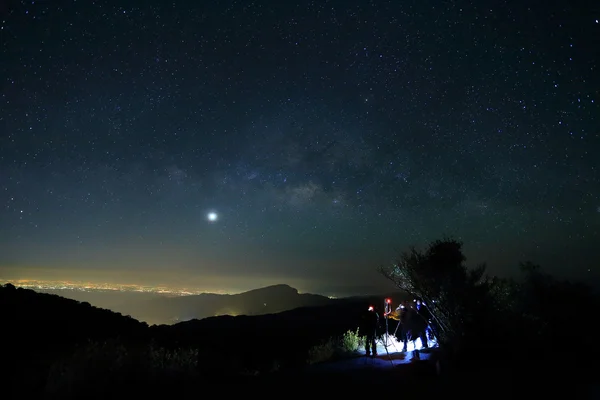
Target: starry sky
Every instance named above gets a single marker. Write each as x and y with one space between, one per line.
323 135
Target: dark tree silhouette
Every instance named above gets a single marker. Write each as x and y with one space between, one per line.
475 315
457 297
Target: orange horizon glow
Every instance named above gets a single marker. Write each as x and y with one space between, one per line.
105 280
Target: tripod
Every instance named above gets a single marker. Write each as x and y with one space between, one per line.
375 339
385 346
387 309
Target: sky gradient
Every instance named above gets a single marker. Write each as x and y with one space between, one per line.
324 135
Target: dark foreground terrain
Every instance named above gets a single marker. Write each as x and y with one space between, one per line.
58 348
417 379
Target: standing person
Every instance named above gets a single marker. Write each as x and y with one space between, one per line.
425 315
370 322
405 324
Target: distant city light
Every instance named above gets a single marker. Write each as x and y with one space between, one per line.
42 286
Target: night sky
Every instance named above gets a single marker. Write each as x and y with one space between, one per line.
324 135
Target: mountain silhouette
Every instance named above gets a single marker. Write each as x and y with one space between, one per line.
55 320
266 300
38 328
52 344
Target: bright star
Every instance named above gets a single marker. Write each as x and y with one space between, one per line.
212 216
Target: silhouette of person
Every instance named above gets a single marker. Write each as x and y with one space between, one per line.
370 322
400 316
405 324
425 315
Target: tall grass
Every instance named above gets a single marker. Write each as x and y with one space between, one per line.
97 366
335 346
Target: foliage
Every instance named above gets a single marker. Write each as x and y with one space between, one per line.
97 365
553 309
455 295
472 311
351 341
322 352
335 346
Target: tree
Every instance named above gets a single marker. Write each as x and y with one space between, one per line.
456 296
554 308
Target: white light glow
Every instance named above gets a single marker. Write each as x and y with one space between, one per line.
212 216
394 346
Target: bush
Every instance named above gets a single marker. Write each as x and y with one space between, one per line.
97 366
458 298
351 341
333 347
172 361
322 352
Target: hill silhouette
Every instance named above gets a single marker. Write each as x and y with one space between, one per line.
283 338
61 320
55 344
267 300
170 309
39 327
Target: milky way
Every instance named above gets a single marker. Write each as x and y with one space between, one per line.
327 135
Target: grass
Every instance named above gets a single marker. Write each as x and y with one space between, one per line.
335 347
100 365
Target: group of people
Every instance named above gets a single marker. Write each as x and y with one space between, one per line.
412 321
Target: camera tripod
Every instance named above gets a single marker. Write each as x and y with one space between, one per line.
386 345
378 340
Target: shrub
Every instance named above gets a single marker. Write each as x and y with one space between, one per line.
172 361
335 346
97 366
322 352
351 341
457 297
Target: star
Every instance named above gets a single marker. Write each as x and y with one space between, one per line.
212 216
387 143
